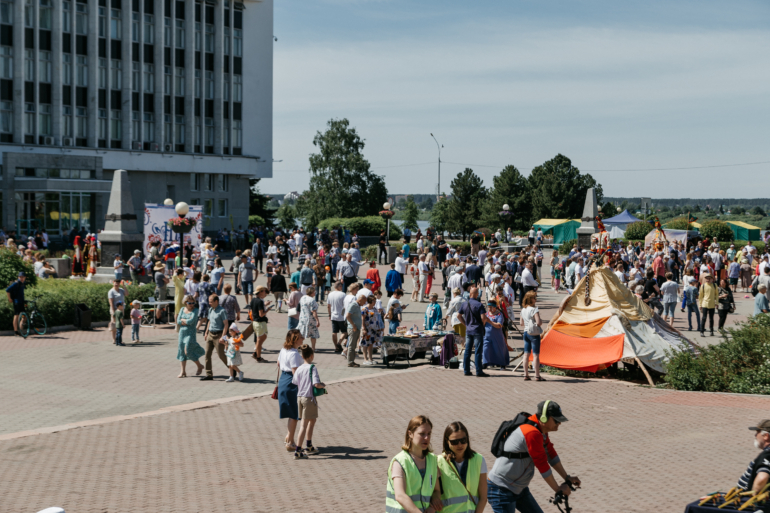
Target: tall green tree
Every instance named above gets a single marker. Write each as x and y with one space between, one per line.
468 195
558 189
427 203
341 182
411 214
509 187
287 216
439 215
258 203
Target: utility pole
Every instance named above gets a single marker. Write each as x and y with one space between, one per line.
438 192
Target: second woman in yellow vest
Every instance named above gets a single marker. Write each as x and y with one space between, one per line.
463 473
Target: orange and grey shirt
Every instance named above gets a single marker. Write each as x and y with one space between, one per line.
515 474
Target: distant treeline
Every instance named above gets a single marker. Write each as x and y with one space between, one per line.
714 203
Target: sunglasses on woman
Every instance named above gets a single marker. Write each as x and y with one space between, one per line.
190 302
463 441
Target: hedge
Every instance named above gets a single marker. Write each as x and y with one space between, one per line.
370 252
11 265
719 229
638 230
366 226
58 298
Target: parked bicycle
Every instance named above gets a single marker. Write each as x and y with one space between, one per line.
34 320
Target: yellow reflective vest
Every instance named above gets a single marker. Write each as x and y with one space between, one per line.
418 489
455 496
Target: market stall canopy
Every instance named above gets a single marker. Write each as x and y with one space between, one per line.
622 220
616 232
561 229
673 236
744 231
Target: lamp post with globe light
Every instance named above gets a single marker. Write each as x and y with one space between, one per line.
506 215
386 214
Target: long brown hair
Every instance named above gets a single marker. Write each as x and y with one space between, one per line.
455 427
291 338
415 423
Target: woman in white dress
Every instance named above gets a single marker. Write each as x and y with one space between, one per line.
308 316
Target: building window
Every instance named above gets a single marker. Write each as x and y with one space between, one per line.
169 128
45 66
135 22
136 77
67 120
81 19
179 82
195 181
102 124
45 120
66 20
6 117
208 182
102 73
209 38
222 208
29 118
116 125
209 85
238 43
208 205
237 88
102 22
82 123
197 83
6 62
116 31
226 90
149 29
117 75
44 14
227 41
166 79
209 132
167 31
29 16
179 120
197 37
222 183
29 65
149 78
82 64
136 126
237 134
198 130
149 127
66 69
226 134
179 34
6 12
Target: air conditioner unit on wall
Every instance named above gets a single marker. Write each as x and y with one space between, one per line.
168 147
136 145
68 141
48 141
155 147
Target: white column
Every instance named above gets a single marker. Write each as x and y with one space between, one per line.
189 77
93 72
219 29
158 67
127 68
18 73
56 63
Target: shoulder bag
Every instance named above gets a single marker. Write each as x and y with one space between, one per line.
275 390
533 329
316 391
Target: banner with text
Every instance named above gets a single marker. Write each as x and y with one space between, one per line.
156 228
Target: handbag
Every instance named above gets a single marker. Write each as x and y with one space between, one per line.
316 391
275 390
292 312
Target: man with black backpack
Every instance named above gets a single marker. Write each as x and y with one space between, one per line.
521 445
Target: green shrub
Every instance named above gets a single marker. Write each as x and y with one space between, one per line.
11 265
567 245
638 230
370 252
58 298
716 228
370 225
256 220
738 364
679 223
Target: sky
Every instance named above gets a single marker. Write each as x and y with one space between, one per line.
619 87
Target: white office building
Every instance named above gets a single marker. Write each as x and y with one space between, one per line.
178 93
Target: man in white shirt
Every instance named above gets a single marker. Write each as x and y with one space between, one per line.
482 256
420 244
299 238
366 291
527 281
335 305
292 248
401 265
458 279
579 270
424 269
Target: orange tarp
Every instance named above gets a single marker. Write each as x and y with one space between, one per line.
576 353
584 329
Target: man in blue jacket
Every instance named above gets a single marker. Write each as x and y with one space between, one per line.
392 280
16 297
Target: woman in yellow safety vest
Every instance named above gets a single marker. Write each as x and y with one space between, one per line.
463 473
413 473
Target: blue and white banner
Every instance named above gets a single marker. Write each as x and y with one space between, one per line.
156 218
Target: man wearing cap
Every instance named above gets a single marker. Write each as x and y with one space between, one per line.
15 293
115 296
527 448
374 276
758 473
366 290
135 265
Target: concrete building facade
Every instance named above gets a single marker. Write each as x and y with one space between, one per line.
178 93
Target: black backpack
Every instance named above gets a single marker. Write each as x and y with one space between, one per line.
755 287
504 431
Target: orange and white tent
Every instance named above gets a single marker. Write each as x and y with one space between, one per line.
614 325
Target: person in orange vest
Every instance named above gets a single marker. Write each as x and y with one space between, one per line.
374 275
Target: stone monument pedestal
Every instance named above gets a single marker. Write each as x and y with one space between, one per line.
588 222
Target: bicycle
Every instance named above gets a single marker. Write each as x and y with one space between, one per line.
34 320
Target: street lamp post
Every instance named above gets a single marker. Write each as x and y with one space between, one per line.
438 192
386 206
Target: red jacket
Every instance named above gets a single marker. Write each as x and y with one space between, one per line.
537 445
374 275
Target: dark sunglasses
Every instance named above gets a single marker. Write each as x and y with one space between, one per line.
463 440
190 302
